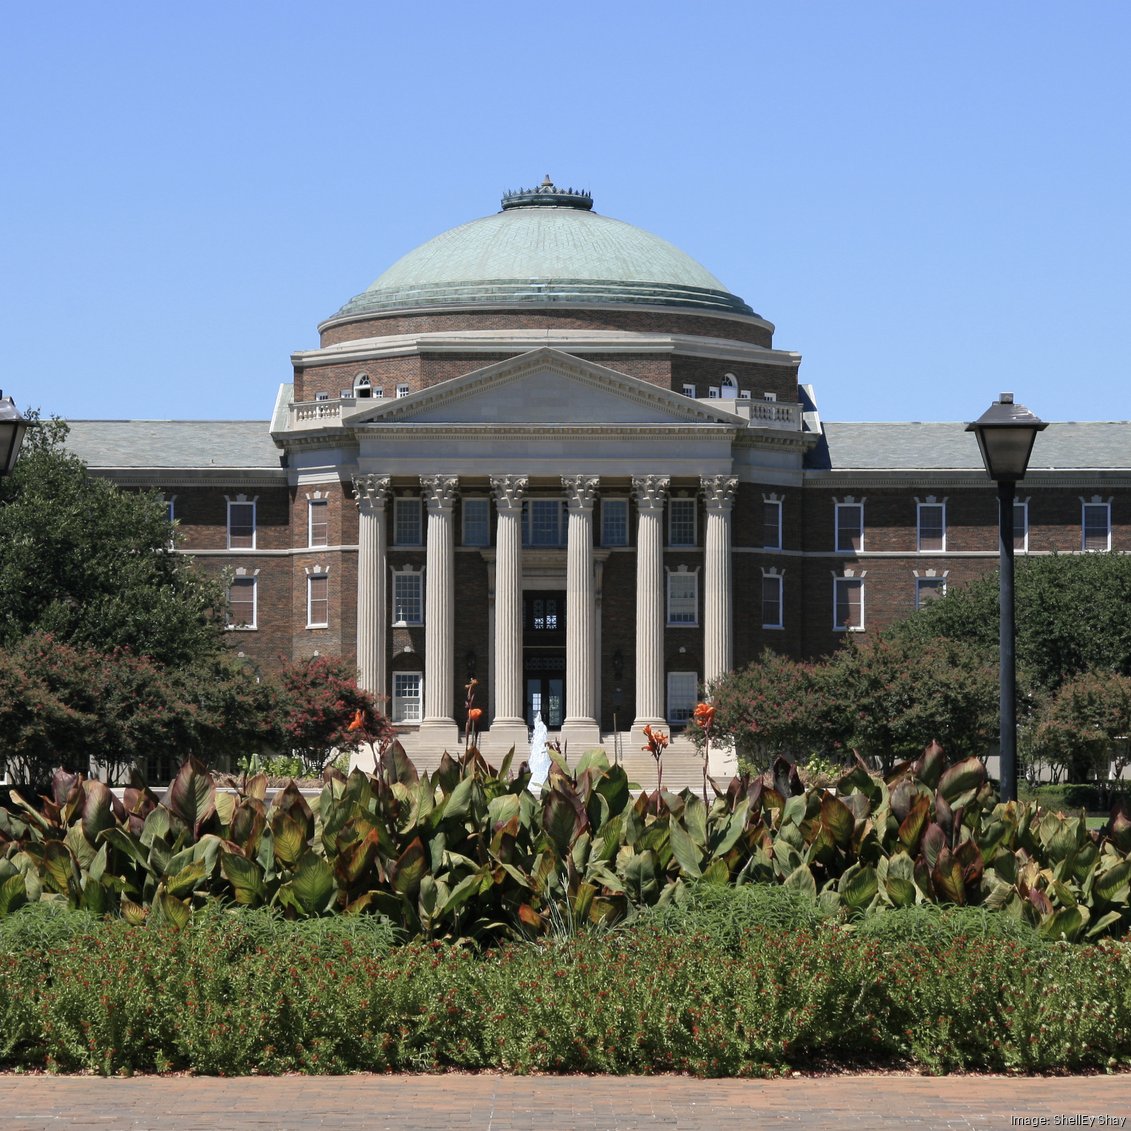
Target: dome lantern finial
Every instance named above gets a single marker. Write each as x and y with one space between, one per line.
548 195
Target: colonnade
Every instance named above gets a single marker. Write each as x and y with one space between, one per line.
580 492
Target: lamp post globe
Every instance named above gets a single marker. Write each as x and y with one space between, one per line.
1006 432
13 427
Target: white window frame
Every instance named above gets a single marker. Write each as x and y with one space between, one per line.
685 505
316 506
842 534
242 501
473 504
244 581
1096 504
682 695
683 618
408 697
406 505
541 506
1021 544
403 390
772 504
936 585
690 390
847 582
614 514
410 603
930 504
311 578
362 386
775 582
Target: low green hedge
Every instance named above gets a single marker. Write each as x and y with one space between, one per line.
710 990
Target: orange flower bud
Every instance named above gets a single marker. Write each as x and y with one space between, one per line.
358 720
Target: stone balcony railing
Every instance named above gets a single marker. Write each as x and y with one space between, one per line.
760 413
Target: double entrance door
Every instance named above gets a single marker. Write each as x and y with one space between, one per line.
543 656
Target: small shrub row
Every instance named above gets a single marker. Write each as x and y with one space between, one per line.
744 990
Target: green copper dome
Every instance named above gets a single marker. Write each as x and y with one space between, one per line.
546 246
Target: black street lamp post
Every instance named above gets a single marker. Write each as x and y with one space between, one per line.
12 429
1006 433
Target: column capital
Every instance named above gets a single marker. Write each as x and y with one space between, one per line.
440 491
580 491
650 491
508 491
371 491
718 492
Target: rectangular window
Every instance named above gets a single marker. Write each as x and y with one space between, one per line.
932 527
476 522
689 390
848 604
681 522
771 524
1097 526
849 527
407 525
402 390
683 598
614 522
544 522
379 392
1021 527
242 602
928 589
318 522
241 526
407 697
408 598
772 601
317 601
683 691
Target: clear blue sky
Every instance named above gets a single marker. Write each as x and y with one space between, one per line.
929 200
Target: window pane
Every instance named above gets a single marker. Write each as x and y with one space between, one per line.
928 589
932 526
1020 526
681 522
1096 526
683 593
683 690
407 697
318 600
849 603
545 521
407 598
771 602
319 522
406 523
241 526
614 522
849 527
476 522
771 525
241 603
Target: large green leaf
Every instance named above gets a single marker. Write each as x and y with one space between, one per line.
167 910
192 795
289 837
912 826
640 878
246 878
1113 885
950 887
313 883
837 818
684 848
411 867
858 886
13 894
187 880
60 873
97 811
960 783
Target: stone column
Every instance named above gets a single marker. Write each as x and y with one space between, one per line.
438 727
650 492
718 654
370 492
508 727
580 726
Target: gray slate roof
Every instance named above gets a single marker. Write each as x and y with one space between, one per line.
938 446
178 444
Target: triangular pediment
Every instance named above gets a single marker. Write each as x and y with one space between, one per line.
542 387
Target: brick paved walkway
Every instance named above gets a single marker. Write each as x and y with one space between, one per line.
508 1103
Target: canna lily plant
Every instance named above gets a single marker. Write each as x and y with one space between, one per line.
704 716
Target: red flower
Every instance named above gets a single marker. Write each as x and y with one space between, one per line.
704 715
474 714
358 720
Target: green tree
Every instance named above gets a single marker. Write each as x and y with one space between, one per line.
92 564
1073 615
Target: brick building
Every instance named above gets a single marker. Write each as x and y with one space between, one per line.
549 449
